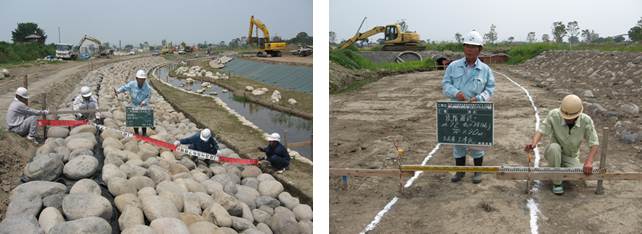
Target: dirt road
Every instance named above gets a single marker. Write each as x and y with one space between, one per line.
364 124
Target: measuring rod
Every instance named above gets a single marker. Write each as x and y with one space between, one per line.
496 169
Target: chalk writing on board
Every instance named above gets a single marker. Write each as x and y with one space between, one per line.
464 123
139 116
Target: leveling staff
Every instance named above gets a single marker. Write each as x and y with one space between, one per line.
567 126
140 93
469 79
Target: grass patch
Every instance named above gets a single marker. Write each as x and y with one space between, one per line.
10 52
298 123
241 98
3 130
351 60
355 85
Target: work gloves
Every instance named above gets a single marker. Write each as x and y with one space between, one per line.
218 153
260 149
46 112
177 143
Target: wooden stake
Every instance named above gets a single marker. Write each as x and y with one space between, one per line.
285 139
25 83
44 107
605 141
345 183
311 147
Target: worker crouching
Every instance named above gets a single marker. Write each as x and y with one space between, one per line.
85 101
203 142
276 153
21 119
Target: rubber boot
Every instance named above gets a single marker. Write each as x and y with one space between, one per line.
459 162
477 178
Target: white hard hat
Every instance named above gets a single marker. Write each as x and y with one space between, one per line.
22 92
141 74
571 107
274 137
85 91
473 38
206 134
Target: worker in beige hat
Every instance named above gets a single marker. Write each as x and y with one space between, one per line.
567 126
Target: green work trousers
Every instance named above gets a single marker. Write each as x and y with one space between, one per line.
555 158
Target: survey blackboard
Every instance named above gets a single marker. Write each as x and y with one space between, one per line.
465 123
139 116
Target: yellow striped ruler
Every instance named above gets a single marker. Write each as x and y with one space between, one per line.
496 169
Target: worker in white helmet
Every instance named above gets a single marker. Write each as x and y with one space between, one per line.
85 101
567 126
202 141
140 92
276 153
21 119
470 80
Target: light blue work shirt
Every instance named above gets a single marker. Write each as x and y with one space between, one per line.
479 84
138 95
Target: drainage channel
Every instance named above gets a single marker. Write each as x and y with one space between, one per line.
270 121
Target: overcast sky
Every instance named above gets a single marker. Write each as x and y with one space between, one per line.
136 21
440 20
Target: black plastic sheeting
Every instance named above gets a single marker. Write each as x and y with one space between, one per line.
289 77
97 177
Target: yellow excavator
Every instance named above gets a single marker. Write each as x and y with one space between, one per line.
395 39
103 51
167 48
264 44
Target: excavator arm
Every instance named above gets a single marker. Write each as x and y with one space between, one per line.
361 36
260 26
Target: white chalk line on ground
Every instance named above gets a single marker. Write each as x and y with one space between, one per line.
532 206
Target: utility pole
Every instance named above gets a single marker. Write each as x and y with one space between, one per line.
119 48
58 34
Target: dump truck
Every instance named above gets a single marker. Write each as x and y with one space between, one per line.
66 51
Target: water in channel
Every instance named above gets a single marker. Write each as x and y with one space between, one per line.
270 121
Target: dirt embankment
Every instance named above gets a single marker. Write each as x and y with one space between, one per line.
364 124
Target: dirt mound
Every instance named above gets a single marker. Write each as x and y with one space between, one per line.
15 153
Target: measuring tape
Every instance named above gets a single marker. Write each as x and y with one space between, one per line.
199 154
496 169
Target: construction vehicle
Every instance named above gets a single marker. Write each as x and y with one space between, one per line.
104 51
66 51
187 49
395 39
167 48
264 44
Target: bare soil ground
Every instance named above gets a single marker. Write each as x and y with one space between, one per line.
364 124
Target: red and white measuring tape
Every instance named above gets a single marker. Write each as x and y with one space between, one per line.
202 155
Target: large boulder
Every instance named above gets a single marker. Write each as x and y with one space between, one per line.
80 167
21 223
131 215
44 188
44 167
127 199
118 186
50 217
230 203
94 225
57 132
28 202
78 143
82 205
86 186
169 226
270 188
83 128
283 223
218 215
156 207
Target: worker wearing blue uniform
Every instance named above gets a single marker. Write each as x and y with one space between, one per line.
203 142
469 79
276 153
140 93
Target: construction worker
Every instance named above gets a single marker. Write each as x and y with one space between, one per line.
85 101
140 92
203 142
21 119
567 126
276 153
471 80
